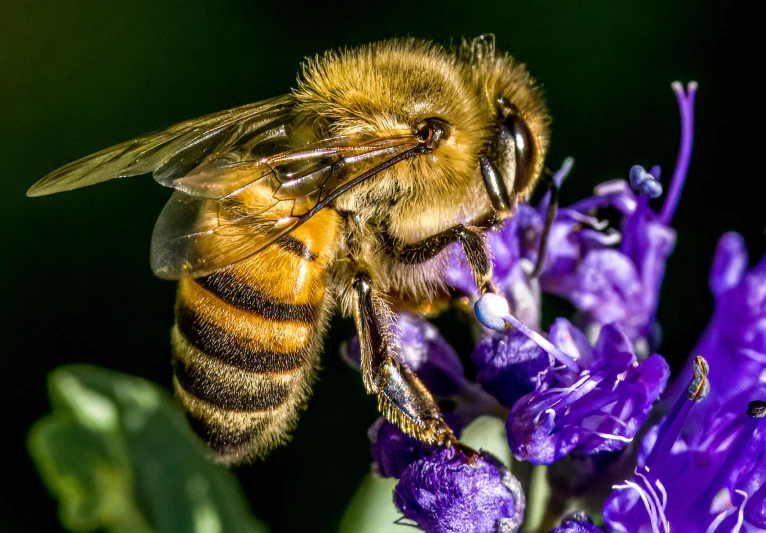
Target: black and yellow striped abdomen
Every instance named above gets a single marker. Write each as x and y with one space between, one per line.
247 339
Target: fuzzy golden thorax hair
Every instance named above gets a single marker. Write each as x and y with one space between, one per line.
388 87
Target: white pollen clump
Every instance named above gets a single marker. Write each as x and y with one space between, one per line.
491 310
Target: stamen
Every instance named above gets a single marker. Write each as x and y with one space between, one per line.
493 311
700 386
686 107
653 504
675 419
739 509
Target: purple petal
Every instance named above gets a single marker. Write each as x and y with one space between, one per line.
572 342
393 451
729 263
448 492
755 509
508 365
600 408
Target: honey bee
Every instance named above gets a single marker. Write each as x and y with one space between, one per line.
342 195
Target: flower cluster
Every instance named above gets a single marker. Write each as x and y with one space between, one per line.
585 389
610 275
704 468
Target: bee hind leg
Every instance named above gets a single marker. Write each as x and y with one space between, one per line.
402 397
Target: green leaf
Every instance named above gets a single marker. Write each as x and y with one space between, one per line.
372 509
118 455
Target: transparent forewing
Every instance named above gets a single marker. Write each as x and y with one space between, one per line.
189 240
222 214
176 151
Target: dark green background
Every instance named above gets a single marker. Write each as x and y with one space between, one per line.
77 76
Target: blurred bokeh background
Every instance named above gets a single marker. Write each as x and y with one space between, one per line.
80 75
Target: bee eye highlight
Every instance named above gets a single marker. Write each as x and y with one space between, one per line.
514 127
431 131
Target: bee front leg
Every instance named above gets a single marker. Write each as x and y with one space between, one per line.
402 397
473 246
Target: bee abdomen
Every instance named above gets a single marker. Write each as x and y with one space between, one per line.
234 291
246 346
239 413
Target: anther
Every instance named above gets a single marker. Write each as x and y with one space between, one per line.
699 386
644 182
756 409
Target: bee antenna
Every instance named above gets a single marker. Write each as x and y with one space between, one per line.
550 216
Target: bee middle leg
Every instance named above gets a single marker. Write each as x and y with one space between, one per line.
402 397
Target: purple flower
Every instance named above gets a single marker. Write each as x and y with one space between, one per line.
393 451
621 285
578 522
508 365
710 461
450 492
735 340
609 276
599 407
708 480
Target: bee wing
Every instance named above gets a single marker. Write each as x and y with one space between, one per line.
224 213
174 152
243 177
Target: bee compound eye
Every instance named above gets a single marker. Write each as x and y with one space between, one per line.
514 127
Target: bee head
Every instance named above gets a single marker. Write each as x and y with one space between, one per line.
473 111
403 87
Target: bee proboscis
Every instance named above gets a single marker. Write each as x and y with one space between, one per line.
342 194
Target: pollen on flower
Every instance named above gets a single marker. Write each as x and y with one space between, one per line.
644 182
491 310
